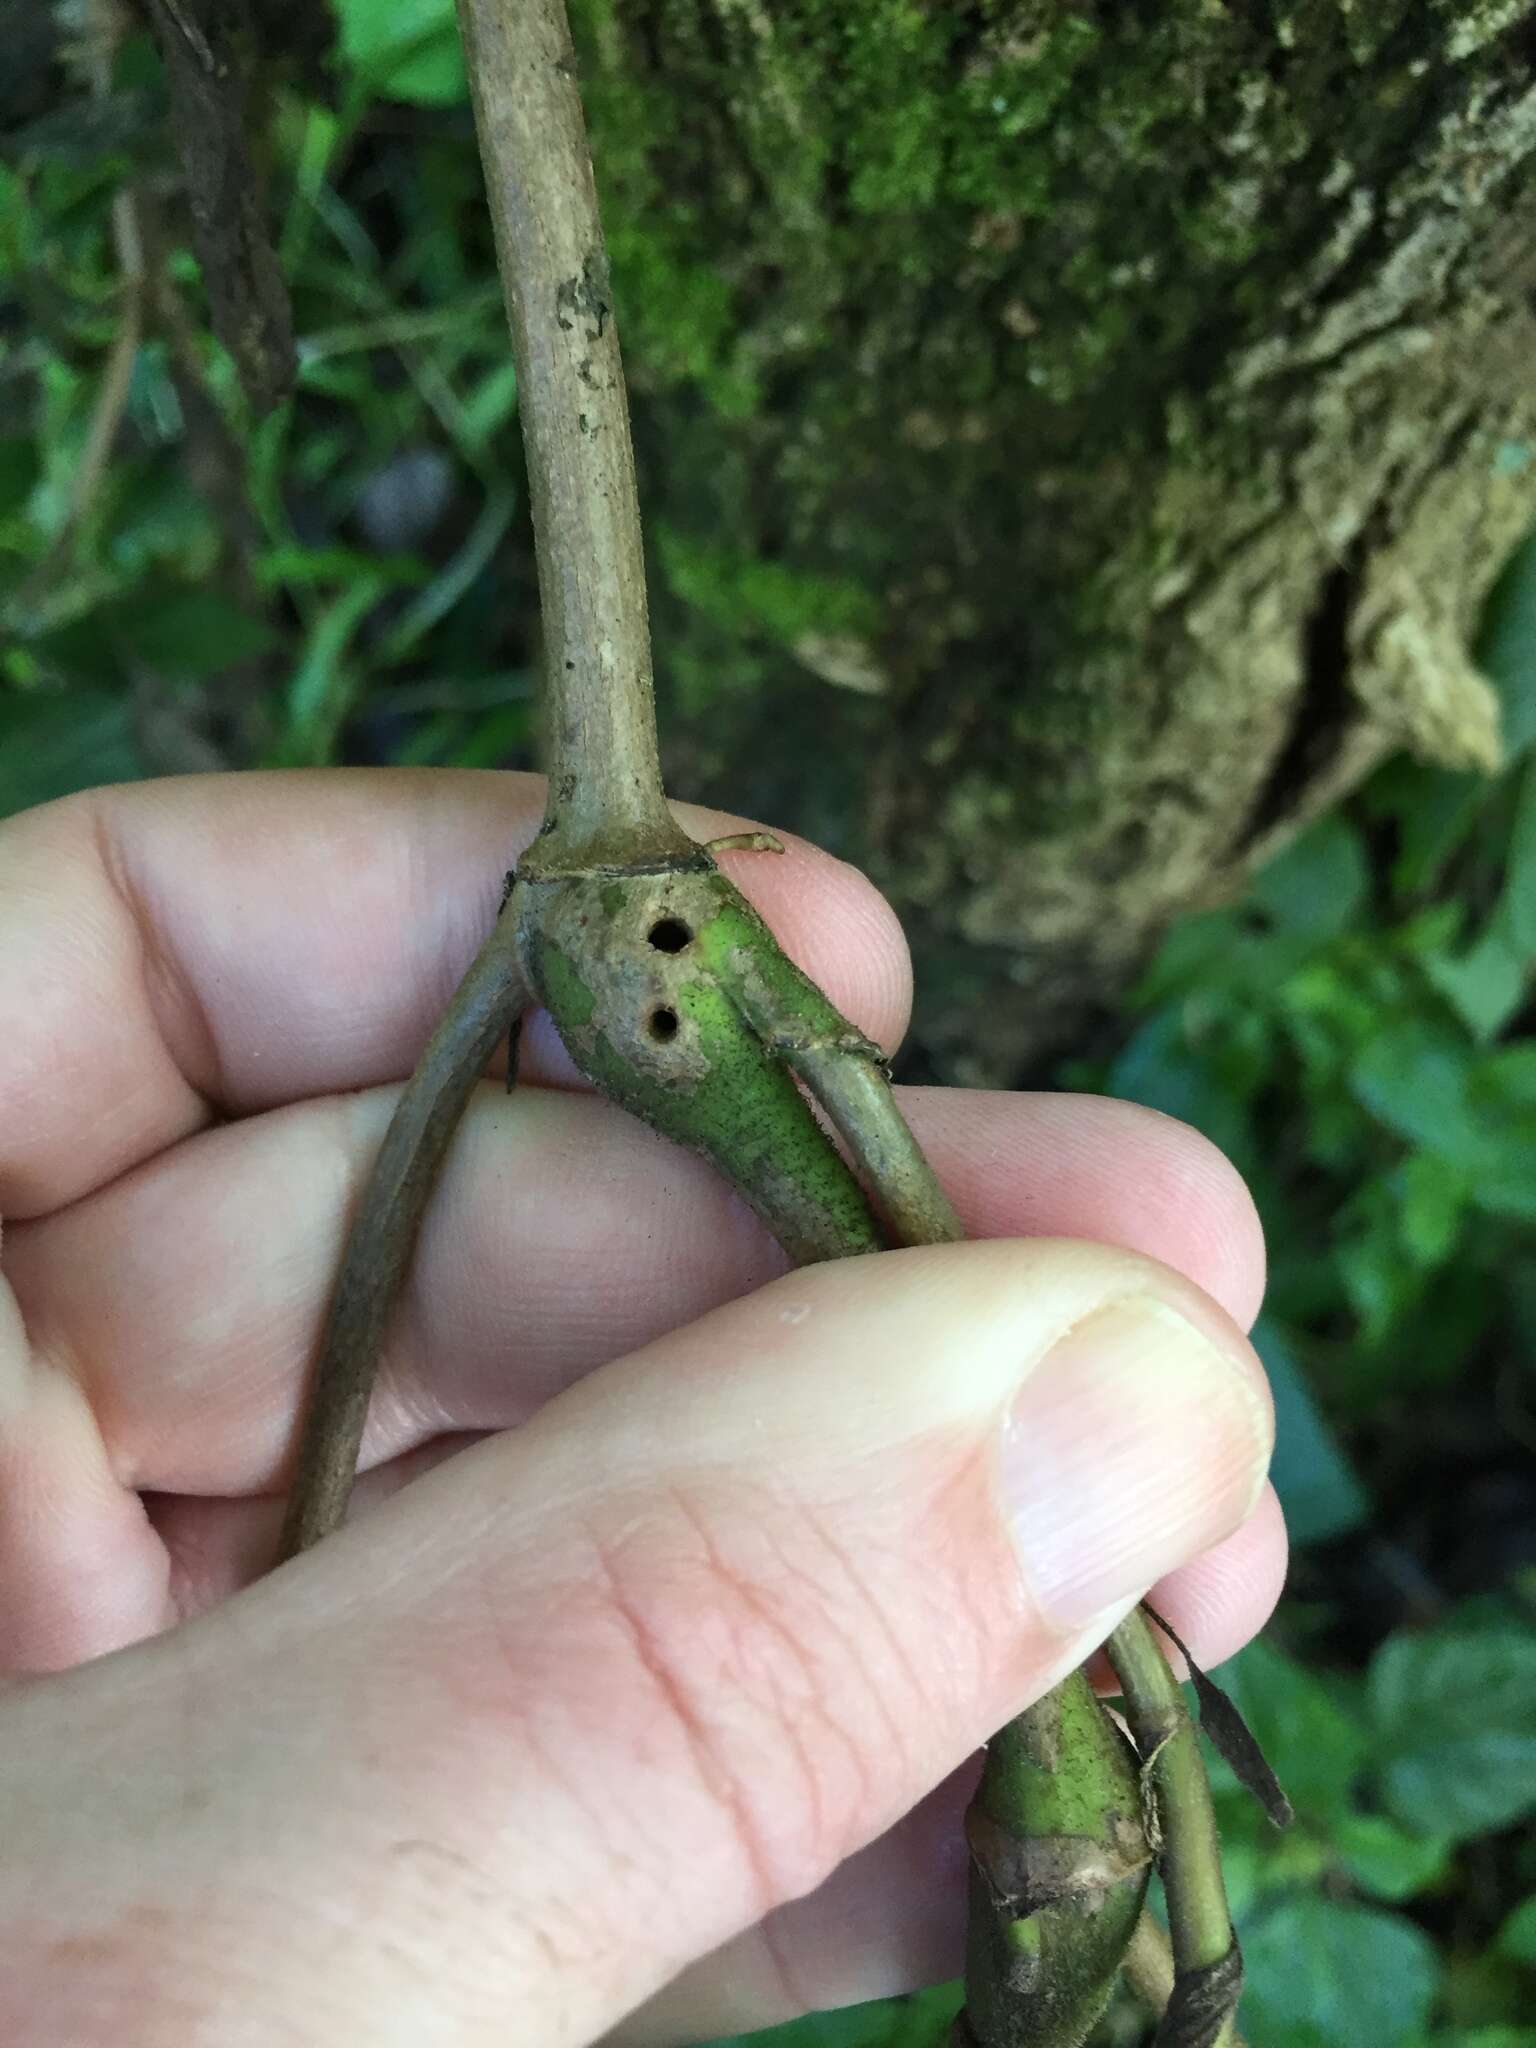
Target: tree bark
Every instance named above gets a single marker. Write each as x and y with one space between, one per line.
1076 436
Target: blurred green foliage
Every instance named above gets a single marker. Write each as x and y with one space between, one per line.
332 581
349 579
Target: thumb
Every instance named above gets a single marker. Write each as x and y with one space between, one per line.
595 1696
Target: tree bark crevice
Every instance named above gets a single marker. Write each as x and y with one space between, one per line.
1029 372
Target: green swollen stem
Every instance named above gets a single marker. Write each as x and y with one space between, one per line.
1059 1871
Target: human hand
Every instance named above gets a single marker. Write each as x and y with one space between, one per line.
694 1652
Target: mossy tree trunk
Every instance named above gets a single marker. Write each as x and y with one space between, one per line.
1077 436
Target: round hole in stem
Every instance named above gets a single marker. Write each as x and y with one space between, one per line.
662 1025
669 935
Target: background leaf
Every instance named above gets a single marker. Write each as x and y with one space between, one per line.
408 50
1507 646
1517 1937
1454 1715
1318 884
1327 1975
920 2021
52 746
1321 1494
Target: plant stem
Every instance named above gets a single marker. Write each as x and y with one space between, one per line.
383 1234
606 801
671 994
857 1097
1199 1918
1059 1868
1149 1970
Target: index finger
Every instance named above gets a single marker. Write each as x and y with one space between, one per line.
174 952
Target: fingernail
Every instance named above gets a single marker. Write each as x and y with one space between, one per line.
1135 1444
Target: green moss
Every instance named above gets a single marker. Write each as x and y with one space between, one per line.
851 164
1476 22
737 590
916 298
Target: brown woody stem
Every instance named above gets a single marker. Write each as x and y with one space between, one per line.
606 801
383 1234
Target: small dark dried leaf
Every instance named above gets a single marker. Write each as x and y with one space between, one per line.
1202 2000
1232 1738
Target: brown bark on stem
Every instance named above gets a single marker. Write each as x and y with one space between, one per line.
606 799
383 1234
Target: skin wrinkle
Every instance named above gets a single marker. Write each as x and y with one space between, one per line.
188 1570
334 1166
194 1045
717 1780
793 1988
969 1492
53 1389
517 1733
56 1350
567 1767
410 1907
896 1650
848 1743
774 1878
764 1608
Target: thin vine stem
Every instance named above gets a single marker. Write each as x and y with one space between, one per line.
383 1235
1199 1917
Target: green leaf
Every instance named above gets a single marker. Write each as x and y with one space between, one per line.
1330 1975
1505 1184
1416 1077
491 404
1157 1067
1506 646
19 472
1433 1202
1316 1484
1517 1937
307 568
321 690
922 2020
1414 1080
1486 984
1454 1712
1484 2037
1387 1859
1432 811
1509 1075
185 635
408 50
1319 883
51 746
1520 881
